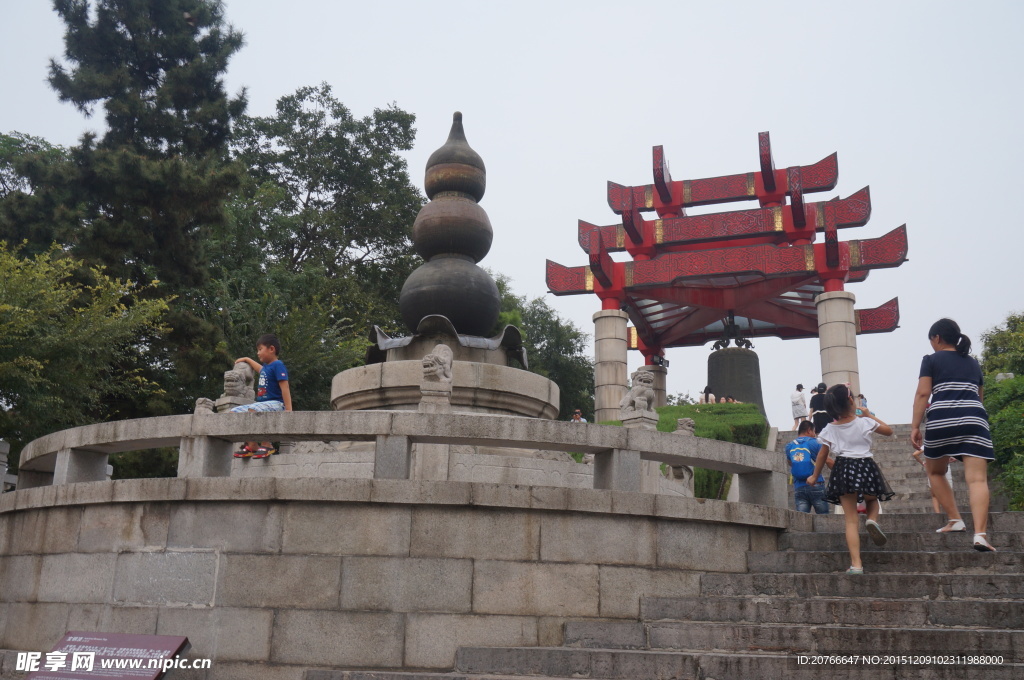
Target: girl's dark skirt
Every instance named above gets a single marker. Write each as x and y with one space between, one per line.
857 475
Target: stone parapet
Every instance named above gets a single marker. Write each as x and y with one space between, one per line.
278 576
205 443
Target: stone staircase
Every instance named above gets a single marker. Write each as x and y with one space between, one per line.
923 593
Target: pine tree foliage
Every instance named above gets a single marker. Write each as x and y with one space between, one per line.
156 67
142 198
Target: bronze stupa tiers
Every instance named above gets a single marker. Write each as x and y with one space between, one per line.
452 233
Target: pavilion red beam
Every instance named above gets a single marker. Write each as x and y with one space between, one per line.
882 319
889 250
779 222
822 176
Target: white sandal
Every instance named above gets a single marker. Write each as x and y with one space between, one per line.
981 545
951 526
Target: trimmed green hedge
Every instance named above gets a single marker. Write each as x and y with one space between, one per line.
738 423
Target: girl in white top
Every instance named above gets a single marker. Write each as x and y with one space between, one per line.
848 440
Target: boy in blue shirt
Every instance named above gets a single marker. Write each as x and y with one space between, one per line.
272 390
802 454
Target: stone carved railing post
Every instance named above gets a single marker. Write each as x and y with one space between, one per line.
623 470
436 386
683 473
239 388
431 460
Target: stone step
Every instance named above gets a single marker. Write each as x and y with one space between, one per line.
414 675
998 521
965 561
835 611
545 662
909 541
790 638
867 585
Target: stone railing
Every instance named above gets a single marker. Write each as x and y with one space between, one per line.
205 444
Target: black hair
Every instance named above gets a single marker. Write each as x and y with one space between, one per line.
707 391
270 340
837 401
949 332
805 425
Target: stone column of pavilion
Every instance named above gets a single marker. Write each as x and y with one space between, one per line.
610 372
660 374
837 338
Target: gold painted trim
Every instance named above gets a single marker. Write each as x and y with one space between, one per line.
620 237
589 280
687 191
777 216
819 216
632 337
750 184
659 231
648 196
855 257
809 258
629 274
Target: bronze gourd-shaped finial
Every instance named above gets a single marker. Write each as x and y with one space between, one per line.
452 233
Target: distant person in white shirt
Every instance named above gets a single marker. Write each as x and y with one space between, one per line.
799 402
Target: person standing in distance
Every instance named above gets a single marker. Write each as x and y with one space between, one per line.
798 400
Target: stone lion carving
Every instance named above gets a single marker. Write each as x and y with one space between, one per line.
204 406
239 382
641 395
437 366
685 426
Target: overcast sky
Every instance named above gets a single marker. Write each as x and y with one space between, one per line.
922 101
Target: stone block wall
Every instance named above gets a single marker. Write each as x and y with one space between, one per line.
271 577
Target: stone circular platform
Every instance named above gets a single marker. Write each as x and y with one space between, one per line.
477 388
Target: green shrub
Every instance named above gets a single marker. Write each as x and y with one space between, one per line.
1004 402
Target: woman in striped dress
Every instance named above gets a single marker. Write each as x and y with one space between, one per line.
956 425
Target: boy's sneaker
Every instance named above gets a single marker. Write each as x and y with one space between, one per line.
264 452
244 452
875 532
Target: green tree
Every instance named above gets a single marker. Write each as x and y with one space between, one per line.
316 247
1003 346
555 348
36 209
141 199
330 194
61 341
1003 352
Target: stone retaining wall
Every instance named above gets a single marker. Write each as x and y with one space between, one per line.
270 577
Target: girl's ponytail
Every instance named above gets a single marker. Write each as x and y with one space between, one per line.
963 345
